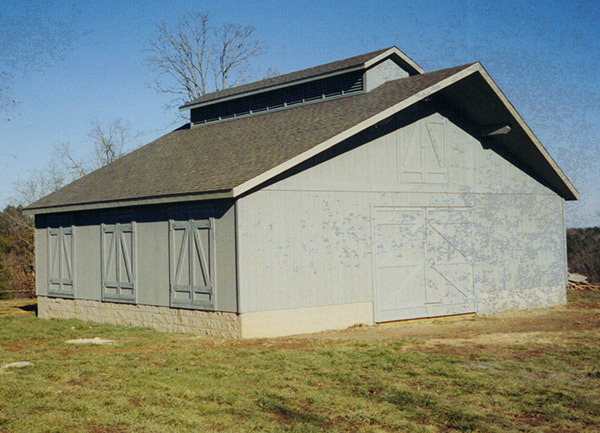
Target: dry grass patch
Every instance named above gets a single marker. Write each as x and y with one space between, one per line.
18 307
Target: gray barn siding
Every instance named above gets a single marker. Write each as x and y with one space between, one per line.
41 260
152 257
306 240
382 72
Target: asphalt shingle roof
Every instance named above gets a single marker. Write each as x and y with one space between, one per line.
288 78
220 156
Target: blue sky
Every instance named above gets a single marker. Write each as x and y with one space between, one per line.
545 59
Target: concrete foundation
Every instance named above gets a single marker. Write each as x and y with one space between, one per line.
277 323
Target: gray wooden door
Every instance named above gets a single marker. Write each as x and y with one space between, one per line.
423 262
192 255
61 261
118 262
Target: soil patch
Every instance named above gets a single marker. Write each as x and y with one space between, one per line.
537 328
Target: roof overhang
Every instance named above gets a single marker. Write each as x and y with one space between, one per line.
521 139
176 198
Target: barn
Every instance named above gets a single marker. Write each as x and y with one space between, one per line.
356 192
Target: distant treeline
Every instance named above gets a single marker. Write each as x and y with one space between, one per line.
583 249
17 275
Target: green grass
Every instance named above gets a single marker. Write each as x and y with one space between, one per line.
156 382
584 299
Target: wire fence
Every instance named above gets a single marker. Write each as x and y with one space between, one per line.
16 294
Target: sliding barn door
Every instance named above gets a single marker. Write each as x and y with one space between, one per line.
192 257
423 262
450 263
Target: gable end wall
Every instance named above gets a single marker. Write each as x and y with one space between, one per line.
306 241
384 71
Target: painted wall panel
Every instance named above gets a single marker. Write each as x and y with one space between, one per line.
87 244
226 267
153 263
285 244
306 240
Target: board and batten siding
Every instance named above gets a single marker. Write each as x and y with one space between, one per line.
306 240
151 255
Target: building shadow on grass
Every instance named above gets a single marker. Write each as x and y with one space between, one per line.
32 307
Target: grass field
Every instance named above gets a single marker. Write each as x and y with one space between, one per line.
532 372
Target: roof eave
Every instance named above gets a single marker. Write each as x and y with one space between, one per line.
373 120
175 198
574 193
562 185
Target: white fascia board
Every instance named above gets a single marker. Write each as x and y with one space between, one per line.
269 174
129 202
394 50
514 113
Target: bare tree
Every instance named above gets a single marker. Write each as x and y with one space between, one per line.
235 50
74 166
109 142
194 57
39 184
17 275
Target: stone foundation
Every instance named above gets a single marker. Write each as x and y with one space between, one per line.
209 323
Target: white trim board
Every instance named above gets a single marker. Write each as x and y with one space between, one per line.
394 50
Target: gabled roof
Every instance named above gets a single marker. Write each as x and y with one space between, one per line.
341 66
229 158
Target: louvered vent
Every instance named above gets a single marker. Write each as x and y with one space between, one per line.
338 85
